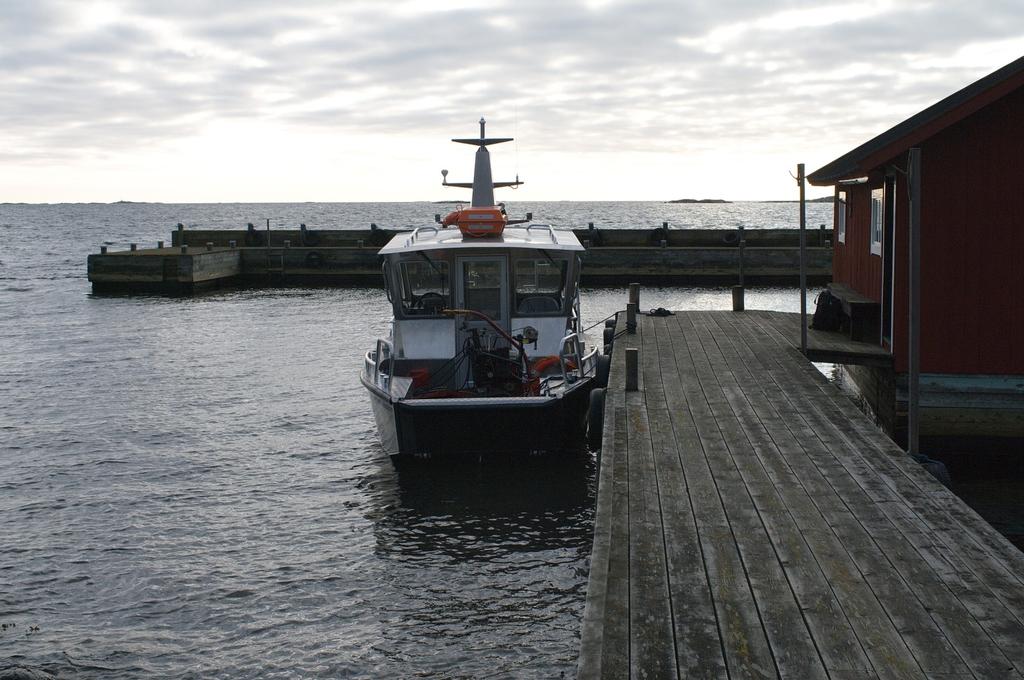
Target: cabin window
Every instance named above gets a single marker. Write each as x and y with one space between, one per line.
425 287
539 286
841 217
877 217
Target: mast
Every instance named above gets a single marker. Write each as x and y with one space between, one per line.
483 185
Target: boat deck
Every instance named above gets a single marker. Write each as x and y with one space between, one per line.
752 522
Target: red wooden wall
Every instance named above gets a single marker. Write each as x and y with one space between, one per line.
852 262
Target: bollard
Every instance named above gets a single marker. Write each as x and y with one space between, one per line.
737 298
103 250
634 294
632 369
631 318
209 245
133 247
184 249
181 227
159 244
232 243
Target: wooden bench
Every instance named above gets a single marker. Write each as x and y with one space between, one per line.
862 314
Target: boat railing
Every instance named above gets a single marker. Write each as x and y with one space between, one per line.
550 230
378 365
416 233
589 365
569 350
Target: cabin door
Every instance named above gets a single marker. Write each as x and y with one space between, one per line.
481 285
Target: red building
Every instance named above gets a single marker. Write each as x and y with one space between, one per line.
972 260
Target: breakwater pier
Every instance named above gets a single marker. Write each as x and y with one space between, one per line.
752 522
197 259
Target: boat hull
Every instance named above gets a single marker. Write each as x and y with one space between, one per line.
437 428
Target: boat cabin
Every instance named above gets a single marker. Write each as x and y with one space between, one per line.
524 281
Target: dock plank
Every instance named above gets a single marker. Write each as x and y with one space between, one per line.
752 522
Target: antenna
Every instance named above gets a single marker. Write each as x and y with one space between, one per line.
483 185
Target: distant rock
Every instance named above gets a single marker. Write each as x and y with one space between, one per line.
700 200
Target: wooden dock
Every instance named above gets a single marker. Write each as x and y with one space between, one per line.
753 523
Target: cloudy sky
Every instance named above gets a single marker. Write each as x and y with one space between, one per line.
317 100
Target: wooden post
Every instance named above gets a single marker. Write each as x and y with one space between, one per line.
803 259
631 318
133 247
103 250
159 244
209 245
632 369
741 242
914 270
634 294
737 298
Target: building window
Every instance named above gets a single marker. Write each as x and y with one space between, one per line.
877 217
841 217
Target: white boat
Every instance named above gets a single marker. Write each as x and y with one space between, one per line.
485 352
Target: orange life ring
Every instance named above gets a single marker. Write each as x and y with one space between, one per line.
541 364
477 222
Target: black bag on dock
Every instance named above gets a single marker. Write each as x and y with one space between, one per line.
828 312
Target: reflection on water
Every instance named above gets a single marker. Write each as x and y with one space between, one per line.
472 511
485 563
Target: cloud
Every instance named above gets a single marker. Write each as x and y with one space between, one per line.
88 80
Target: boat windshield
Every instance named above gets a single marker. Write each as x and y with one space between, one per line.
425 287
539 286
